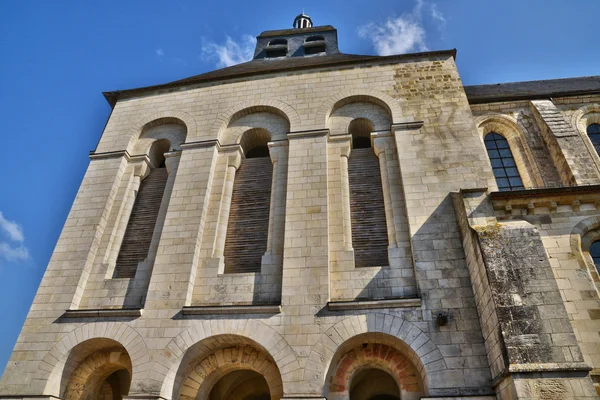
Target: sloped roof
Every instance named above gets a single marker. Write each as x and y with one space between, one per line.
265 66
531 90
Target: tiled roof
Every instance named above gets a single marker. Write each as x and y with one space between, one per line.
533 89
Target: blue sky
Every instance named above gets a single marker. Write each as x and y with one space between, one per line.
56 57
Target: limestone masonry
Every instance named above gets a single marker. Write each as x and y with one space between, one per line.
320 225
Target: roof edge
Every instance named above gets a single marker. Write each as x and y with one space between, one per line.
113 96
296 31
532 90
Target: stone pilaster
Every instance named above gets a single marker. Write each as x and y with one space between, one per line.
305 256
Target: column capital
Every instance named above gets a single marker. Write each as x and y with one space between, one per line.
276 149
141 165
234 153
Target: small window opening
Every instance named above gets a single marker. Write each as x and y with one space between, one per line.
278 42
314 39
272 53
360 129
314 50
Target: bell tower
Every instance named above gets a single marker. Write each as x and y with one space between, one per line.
302 21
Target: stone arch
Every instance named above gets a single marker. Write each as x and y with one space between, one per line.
249 107
381 99
103 372
253 138
235 354
585 116
230 332
148 121
512 131
273 123
341 118
385 329
172 130
580 120
365 352
57 360
584 233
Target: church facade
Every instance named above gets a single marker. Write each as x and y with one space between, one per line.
320 225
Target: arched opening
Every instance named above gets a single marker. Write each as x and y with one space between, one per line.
374 366
241 385
144 214
360 129
503 163
373 384
593 132
367 206
228 367
248 224
97 369
278 42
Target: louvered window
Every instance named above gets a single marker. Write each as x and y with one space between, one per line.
248 225
142 221
367 207
138 235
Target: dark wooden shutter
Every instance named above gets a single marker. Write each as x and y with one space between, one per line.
248 225
367 209
138 235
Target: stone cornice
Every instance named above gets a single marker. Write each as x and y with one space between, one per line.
104 313
311 133
405 126
234 309
373 304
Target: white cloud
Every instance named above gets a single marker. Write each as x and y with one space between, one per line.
13 253
230 52
14 232
160 52
402 34
13 229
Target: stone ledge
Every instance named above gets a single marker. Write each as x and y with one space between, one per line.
371 304
106 312
566 367
236 309
460 398
549 367
304 134
28 396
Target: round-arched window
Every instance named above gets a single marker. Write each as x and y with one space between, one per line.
593 132
503 163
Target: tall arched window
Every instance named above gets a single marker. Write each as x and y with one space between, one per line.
593 132
248 224
503 163
367 207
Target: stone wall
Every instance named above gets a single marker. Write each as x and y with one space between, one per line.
428 146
